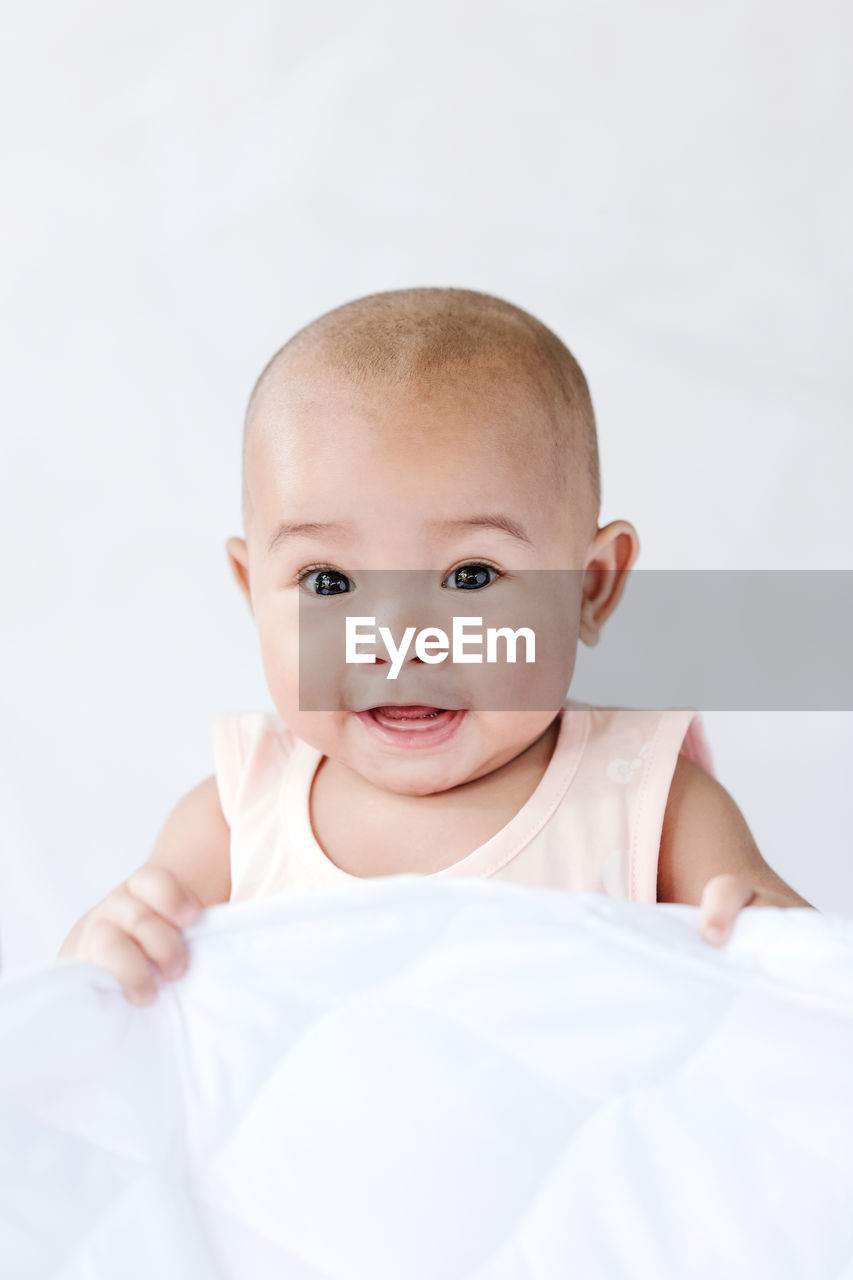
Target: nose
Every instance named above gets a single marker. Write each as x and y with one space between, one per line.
398 600
411 656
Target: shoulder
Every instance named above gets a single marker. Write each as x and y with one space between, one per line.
242 732
705 834
249 748
195 844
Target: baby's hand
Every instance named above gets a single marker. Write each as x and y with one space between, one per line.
722 898
135 931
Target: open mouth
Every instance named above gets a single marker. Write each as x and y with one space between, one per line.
411 724
415 711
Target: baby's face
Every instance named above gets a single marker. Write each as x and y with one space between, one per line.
396 472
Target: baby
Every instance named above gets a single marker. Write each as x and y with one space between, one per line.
449 432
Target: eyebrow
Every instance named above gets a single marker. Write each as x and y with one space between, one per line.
303 528
486 520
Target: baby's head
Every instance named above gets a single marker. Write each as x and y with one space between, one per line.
427 429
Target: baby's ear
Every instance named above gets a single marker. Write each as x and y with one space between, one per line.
238 558
589 630
598 604
614 549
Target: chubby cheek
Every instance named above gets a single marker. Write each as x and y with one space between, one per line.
320 729
278 632
279 638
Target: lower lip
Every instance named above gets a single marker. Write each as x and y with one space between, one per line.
412 733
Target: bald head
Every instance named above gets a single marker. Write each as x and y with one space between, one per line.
416 337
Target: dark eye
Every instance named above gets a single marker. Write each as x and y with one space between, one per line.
327 582
470 577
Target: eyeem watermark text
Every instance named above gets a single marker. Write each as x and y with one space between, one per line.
433 645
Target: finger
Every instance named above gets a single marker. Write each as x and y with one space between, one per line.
165 894
161 941
722 898
113 949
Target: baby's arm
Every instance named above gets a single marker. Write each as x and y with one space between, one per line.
135 930
708 857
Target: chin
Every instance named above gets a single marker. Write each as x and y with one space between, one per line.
414 781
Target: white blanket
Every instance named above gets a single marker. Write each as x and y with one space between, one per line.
416 1079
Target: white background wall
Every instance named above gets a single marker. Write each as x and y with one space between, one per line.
667 185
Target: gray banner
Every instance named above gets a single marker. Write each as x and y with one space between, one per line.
747 640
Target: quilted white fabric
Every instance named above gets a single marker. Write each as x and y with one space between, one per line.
415 1079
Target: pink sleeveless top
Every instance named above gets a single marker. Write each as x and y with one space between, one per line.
593 822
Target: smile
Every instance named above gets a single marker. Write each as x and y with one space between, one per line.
411 725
